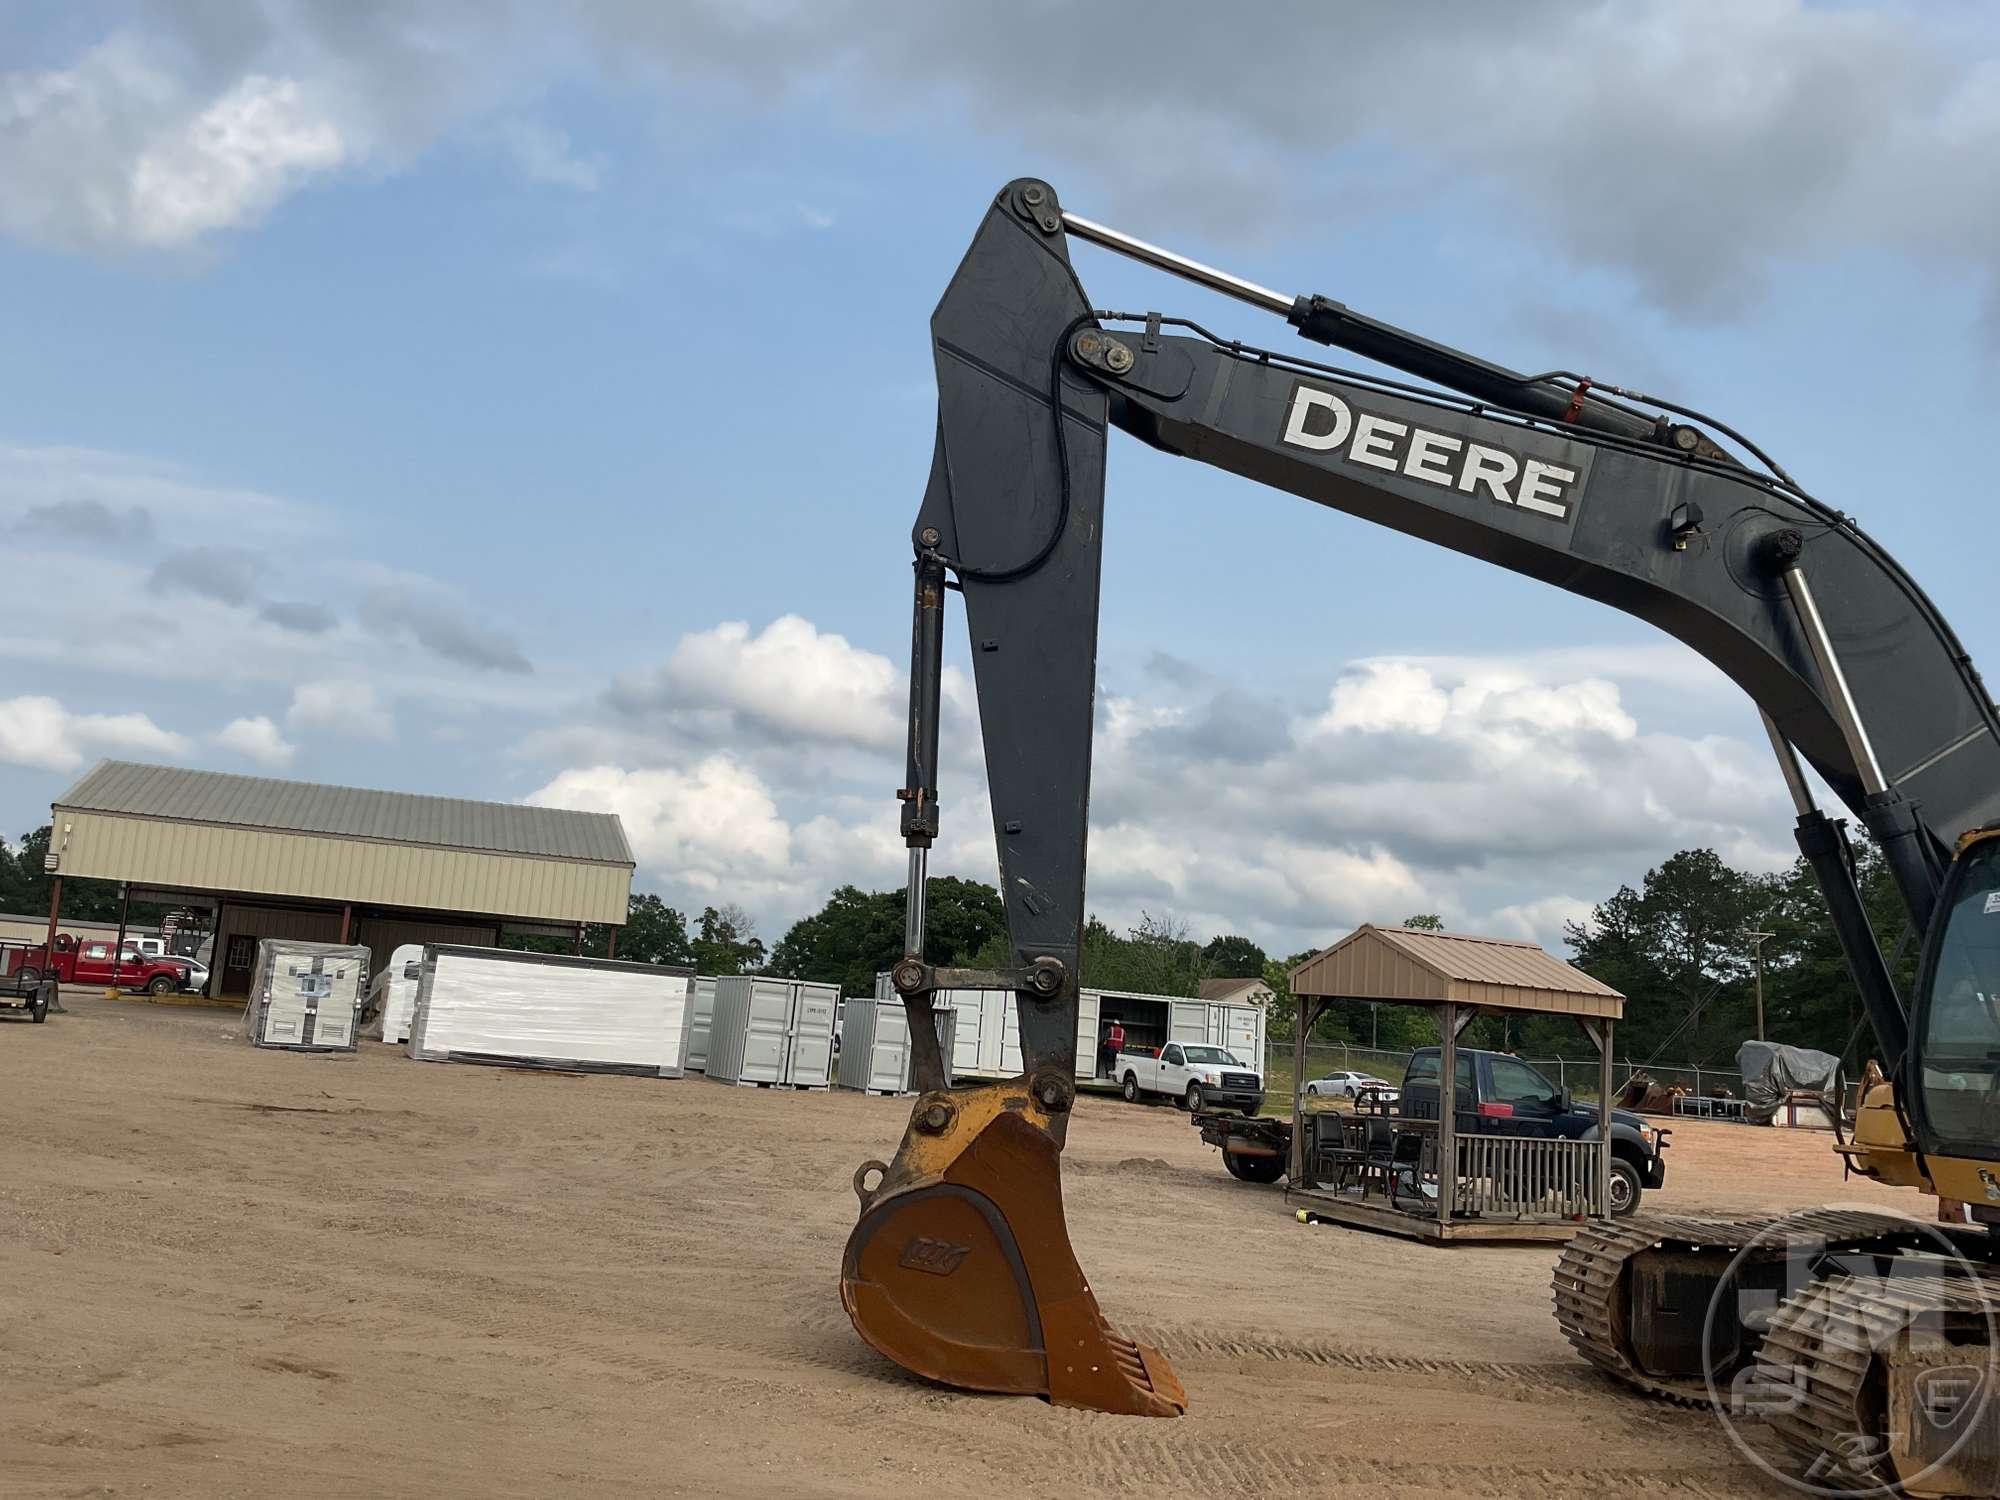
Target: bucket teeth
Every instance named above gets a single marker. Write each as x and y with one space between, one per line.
961 1270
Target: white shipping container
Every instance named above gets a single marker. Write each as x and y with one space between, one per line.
988 1042
549 1010
306 997
875 1052
701 1006
772 1031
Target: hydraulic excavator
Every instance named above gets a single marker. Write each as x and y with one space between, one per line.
960 1266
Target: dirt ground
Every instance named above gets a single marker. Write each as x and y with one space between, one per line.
233 1272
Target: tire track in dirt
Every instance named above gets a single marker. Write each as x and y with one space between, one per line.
1143 1464
1538 1379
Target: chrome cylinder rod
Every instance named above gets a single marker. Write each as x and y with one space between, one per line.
1179 265
1788 762
913 905
1835 682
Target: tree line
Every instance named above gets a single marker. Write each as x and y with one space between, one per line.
1682 947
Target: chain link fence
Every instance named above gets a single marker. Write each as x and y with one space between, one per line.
1576 1074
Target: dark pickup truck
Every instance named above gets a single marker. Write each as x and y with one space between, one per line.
1498 1094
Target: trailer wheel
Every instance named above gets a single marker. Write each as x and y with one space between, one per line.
38 1008
159 984
1254 1168
30 978
1131 1089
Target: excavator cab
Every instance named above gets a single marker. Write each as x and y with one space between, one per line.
1953 1082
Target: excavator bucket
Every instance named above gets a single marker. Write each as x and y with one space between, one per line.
961 1270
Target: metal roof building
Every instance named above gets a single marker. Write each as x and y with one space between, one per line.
1461 1178
338 864
1412 966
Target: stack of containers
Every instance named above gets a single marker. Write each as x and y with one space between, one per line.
772 1032
306 997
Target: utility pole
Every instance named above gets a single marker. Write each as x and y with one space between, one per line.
1757 940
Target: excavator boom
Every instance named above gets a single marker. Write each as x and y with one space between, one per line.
1576 485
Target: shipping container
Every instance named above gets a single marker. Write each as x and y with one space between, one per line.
875 1053
549 1010
701 1006
306 996
772 1031
988 1041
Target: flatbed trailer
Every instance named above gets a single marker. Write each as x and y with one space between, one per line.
1255 1148
34 993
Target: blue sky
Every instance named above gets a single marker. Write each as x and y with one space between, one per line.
460 399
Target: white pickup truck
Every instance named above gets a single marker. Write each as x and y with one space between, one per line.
1194 1074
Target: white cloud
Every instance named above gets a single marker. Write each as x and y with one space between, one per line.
1797 124
40 732
546 157
231 163
347 707
123 150
713 827
1489 789
791 677
258 739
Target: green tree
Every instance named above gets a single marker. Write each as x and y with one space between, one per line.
1425 921
858 934
654 933
1232 957
727 942
1676 949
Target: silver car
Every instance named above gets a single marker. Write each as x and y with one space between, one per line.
1346 1083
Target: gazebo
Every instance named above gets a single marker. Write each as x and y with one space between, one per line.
1436 1179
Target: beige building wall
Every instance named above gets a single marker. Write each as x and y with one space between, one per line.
200 856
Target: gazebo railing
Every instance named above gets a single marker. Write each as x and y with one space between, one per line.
1526 1177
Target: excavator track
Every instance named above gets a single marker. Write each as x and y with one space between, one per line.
1876 1383
1596 1274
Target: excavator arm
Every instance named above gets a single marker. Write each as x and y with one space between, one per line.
1576 485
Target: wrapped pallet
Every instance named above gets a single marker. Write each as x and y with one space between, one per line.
393 995
548 1010
875 1052
773 1032
306 997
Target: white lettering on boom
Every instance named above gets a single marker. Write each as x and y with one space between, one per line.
1323 422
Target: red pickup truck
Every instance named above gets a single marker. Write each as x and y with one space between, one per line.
89 961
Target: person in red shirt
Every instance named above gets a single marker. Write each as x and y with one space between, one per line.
1114 1043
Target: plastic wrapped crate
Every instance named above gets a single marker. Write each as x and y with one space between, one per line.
548 1010
306 997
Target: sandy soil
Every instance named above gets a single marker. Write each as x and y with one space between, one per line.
231 1272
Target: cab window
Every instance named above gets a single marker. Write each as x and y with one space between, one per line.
1172 1055
1514 1082
97 950
1960 1035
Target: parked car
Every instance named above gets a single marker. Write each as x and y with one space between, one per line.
1346 1083
1498 1094
90 961
1196 1075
